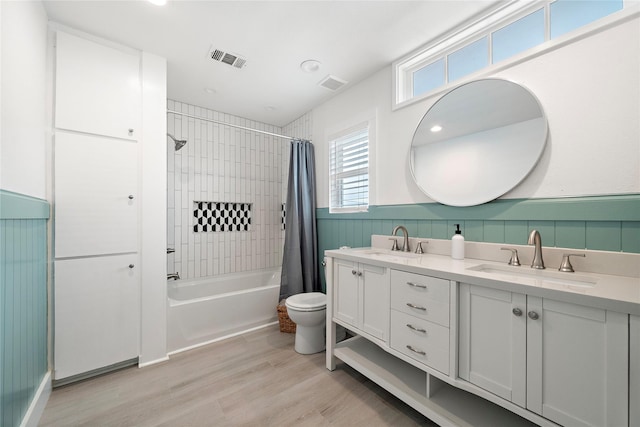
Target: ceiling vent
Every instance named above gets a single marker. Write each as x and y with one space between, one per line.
332 83
227 58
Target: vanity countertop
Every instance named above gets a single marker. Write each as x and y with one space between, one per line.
609 292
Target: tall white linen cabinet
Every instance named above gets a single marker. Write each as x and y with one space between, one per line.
97 128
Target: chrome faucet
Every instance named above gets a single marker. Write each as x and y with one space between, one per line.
174 276
536 240
405 242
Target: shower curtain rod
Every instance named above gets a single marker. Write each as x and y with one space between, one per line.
232 125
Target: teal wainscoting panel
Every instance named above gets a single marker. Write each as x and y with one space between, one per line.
494 232
473 231
571 234
516 232
631 236
23 303
610 223
604 235
366 232
596 208
439 230
424 228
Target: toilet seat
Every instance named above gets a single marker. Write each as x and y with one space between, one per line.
310 301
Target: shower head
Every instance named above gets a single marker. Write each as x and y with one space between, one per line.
179 142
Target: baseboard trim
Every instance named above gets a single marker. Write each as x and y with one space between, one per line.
153 362
39 402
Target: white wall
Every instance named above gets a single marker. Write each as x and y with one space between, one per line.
23 93
590 91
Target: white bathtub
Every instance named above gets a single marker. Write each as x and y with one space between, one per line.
205 310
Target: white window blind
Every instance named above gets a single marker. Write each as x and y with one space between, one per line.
349 172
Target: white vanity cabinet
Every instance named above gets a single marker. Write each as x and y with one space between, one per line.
563 361
361 297
465 349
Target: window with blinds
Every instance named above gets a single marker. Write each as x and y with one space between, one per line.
349 172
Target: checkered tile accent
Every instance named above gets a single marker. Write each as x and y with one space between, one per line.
221 216
283 215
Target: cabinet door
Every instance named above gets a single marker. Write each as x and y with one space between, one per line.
492 347
97 88
97 313
577 363
375 300
96 187
345 292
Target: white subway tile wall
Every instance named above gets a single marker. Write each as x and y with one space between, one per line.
223 164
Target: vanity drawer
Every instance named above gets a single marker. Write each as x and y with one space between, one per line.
421 340
422 296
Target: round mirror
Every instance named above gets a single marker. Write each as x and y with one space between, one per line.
477 142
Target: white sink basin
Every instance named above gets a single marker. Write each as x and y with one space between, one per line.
524 272
394 256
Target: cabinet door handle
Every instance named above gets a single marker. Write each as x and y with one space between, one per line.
533 315
130 196
131 265
420 352
413 328
416 285
517 312
417 307
353 272
359 273
130 131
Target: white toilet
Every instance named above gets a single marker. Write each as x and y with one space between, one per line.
308 311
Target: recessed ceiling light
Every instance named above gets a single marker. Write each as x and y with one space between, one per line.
270 108
210 90
310 66
158 2
436 128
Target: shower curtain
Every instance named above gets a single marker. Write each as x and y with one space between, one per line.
300 256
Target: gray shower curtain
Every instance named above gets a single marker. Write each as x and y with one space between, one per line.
300 256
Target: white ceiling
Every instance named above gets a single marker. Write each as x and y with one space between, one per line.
351 39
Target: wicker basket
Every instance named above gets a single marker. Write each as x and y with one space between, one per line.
286 324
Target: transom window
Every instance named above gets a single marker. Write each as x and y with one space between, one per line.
495 39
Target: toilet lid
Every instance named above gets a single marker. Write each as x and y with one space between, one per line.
307 301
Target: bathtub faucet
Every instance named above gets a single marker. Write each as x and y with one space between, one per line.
174 276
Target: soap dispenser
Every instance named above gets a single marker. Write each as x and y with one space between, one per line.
457 244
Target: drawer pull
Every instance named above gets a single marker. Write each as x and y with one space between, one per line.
420 352
417 307
413 328
416 286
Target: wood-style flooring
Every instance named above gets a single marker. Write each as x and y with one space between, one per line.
256 379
